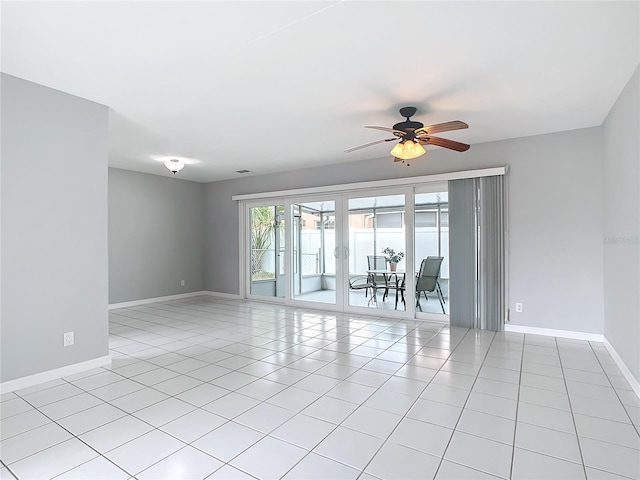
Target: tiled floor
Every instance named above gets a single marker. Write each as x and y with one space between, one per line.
211 388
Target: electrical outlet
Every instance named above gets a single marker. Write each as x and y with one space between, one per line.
68 339
182 283
519 307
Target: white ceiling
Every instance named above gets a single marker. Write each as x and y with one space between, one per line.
275 86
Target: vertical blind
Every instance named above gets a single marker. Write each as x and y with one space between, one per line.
477 253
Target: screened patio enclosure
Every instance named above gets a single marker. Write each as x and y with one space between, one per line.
321 246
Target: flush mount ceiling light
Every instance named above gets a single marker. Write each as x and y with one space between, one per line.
174 165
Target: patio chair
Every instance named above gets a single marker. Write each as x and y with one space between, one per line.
379 262
427 280
363 282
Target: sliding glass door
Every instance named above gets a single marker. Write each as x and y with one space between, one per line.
314 254
377 252
266 250
385 252
431 218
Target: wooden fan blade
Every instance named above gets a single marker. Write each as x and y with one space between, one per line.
400 133
442 127
369 144
443 142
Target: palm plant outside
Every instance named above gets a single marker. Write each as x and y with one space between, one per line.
262 227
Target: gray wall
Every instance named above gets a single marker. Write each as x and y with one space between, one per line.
555 201
156 235
54 229
622 225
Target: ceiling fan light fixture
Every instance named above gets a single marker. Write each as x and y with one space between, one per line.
174 165
398 150
408 150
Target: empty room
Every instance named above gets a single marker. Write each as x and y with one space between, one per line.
319 240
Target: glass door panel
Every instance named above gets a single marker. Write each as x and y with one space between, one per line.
376 232
432 243
313 261
267 243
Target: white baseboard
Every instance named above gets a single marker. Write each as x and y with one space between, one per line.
633 381
38 378
231 296
592 337
550 332
145 301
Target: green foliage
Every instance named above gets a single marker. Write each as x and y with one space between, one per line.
392 256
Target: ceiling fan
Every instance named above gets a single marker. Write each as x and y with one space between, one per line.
413 135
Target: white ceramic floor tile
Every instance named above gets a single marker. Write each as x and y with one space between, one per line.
372 421
607 431
390 402
599 408
209 373
445 394
369 378
426 437
595 474
330 409
547 417
269 458
97 469
54 394
398 462
545 398
491 404
229 473
193 425
304 431
14 406
454 471
480 454
611 458
317 467
261 389
99 380
435 412
91 418
234 380
116 433
138 400
164 411
54 460
534 466
155 376
116 389
405 386
20 446
202 394
188 463
317 383
227 441
347 446
294 399
548 442
351 392
144 451
264 417
424 370
22 422
481 424
231 405
500 374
